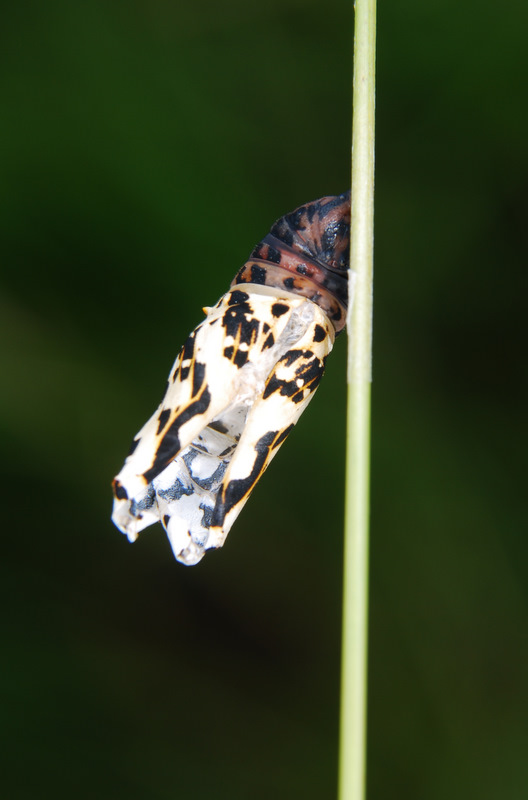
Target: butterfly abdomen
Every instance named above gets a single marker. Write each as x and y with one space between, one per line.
307 252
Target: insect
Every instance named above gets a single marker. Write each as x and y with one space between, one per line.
241 381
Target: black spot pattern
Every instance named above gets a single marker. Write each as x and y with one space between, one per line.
198 377
213 481
187 354
278 309
237 297
309 372
188 457
319 333
133 446
162 419
120 491
274 255
294 355
241 358
258 274
144 504
188 347
207 515
239 322
219 426
177 490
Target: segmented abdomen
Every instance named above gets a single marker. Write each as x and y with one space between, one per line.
307 252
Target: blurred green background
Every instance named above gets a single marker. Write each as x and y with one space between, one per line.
145 147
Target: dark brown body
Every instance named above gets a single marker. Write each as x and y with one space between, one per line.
307 252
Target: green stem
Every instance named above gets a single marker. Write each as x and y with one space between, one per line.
355 581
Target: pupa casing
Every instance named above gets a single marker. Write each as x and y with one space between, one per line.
240 383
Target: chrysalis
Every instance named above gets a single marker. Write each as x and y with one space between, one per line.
241 381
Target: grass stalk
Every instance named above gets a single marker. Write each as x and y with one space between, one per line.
352 755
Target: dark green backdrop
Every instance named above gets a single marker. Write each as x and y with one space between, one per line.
145 147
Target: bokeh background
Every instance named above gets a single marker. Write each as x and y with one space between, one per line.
145 148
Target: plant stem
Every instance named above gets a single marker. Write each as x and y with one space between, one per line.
355 580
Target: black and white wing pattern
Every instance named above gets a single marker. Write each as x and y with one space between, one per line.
241 381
